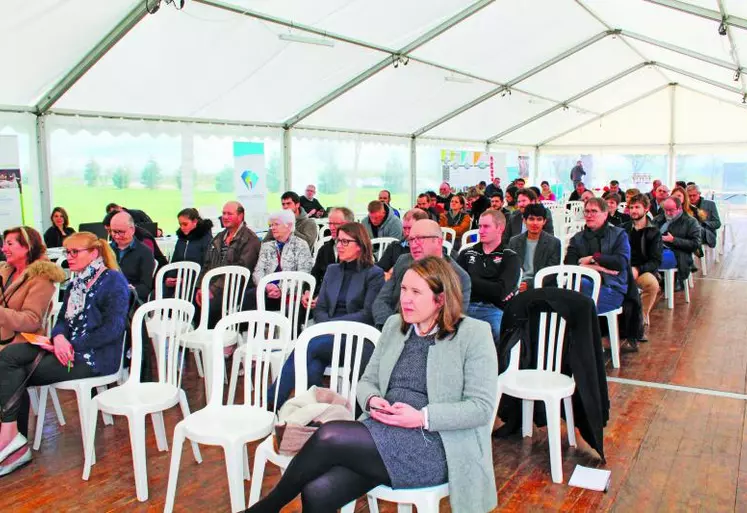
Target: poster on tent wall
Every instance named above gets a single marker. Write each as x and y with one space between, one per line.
467 168
10 183
250 182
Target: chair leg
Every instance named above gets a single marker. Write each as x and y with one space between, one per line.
687 294
614 339
160 431
349 507
669 288
34 399
139 461
552 408
235 366
570 423
704 262
260 460
428 504
176 458
198 362
185 412
247 473
89 435
108 420
56 404
40 413
373 504
235 470
527 417
406 508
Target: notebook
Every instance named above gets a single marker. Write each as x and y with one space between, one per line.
590 478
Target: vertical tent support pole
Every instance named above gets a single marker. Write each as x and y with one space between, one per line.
45 184
187 169
413 171
535 166
287 159
672 156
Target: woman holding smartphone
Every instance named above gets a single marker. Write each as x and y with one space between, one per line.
429 396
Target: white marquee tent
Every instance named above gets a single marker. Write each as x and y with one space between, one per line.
543 76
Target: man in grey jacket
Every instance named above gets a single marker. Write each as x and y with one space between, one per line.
381 221
306 229
536 248
426 239
711 222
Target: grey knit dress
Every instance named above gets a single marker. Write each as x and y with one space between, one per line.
414 458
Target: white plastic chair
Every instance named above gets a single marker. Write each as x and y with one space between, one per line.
425 500
136 400
544 383
292 286
569 277
323 229
235 281
621 207
318 245
549 203
380 244
344 381
449 235
669 287
448 246
577 209
233 426
470 236
465 247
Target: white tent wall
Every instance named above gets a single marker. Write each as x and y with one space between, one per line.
23 126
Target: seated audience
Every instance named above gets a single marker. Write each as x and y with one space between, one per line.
481 186
614 217
588 193
661 194
138 216
652 193
141 235
496 203
681 234
194 237
547 194
519 183
434 204
381 222
285 252
235 245
577 192
606 249
426 239
347 294
394 251
645 252
456 218
133 257
706 213
444 196
410 436
494 272
386 197
681 183
478 203
629 194
614 188
535 247
306 229
86 341
509 198
327 254
492 188
59 230
311 204
515 222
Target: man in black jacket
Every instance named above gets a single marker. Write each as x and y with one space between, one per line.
138 216
424 204
680 233
515 223
710 222
477 204
645 252
394 251
310 203
614 217
444 196
134 258
494 272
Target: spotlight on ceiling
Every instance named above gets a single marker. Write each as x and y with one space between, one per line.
298 38
722 28
737 75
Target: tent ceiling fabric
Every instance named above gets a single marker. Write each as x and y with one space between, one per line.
223 62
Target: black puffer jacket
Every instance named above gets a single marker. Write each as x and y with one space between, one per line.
193 246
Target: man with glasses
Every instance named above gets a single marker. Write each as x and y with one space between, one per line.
311 204
681 234
425 240
327 254
134 258
661 193
706 213
394 251
604 248
306 229
494 272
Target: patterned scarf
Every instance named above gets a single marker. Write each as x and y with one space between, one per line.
79 286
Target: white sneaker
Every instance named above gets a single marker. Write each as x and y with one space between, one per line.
15 444
20 462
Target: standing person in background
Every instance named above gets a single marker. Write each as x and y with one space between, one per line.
311 204
59 230
456 218
577 173
386 197
193 241
306 229
444 196
546 193
381 222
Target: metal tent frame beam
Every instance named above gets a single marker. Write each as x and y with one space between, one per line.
702 12
605 114
92 57
700 78
515 81
734 51
572 99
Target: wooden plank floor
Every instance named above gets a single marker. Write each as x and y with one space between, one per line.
668 450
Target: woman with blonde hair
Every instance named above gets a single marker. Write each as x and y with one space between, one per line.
429 396
86 341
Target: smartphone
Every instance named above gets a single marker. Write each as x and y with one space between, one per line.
380 410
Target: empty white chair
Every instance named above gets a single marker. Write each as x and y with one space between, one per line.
577 209
470 236
343 380
292 285
136 400
544 383
380 244
236 279
233 426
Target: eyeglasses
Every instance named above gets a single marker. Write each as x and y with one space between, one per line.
119 233
72 253
592 212
337 224
421 239
345 242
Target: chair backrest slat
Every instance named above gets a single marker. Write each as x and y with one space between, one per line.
292 285
236 279
186 279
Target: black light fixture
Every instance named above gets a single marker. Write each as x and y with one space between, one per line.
744 98
722 27
737 75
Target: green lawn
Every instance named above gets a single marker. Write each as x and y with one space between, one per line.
87 204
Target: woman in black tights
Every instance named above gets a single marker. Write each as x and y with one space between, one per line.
429 400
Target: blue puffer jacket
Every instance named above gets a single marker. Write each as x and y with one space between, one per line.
97 333
615 255
193 246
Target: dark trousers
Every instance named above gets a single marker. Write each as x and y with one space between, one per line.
15 363
338 464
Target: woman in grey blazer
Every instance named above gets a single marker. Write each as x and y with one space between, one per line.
347 294
429 393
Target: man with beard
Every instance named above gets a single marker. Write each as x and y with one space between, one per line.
681 234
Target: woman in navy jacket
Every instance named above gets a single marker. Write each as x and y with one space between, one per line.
195 235
347 294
